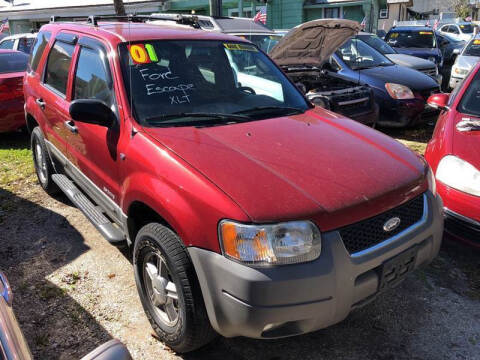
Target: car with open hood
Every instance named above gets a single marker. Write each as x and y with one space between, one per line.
419 41
465 62
453 153
249 211
303 54
414 62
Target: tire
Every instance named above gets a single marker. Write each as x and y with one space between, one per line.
43 163
159 254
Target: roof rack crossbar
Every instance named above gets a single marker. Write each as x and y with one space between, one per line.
190 20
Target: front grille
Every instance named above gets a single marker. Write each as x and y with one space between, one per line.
367 233
432 72
352 103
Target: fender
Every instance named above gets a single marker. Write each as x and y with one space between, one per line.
193 215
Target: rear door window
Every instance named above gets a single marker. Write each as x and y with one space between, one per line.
58 66
92 80
38 49
25 44
13 62
7 44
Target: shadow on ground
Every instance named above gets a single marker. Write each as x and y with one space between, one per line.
35 243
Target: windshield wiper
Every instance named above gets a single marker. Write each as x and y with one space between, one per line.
290 110
173 118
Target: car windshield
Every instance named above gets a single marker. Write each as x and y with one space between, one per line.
191 82
13 62
358 55
264 42
467 28
377 43
412 39
473 48
470 103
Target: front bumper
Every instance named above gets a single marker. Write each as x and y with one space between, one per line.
369 118
462 227
289 300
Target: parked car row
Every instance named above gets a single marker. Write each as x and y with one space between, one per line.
252 204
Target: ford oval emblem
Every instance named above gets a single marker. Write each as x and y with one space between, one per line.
391 224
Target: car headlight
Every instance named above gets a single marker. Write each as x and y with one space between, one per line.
459 174
273 244
398 91
460 71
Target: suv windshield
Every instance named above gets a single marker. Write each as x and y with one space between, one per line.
358 55
377 43
470 103
186 82
412 39
466 28
264 42
13 62
473 48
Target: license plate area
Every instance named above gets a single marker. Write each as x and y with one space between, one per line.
394 271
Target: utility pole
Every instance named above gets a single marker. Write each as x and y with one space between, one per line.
119 7
215 7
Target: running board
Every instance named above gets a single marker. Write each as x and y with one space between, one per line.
92 212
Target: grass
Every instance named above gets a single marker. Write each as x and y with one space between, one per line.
16 162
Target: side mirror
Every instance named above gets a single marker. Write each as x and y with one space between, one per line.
112 350
439 101
91 111
456 51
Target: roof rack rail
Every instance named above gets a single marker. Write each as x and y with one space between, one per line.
190 20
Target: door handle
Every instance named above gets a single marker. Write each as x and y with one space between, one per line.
41 103
70 125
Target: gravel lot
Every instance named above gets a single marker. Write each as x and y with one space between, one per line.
74 291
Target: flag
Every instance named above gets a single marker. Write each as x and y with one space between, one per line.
428 23
261 16
4 25
435 24
468 19
364 22
383 25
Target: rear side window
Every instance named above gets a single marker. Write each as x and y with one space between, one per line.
91 79
38 48
13 62
7 44
58 65
25 45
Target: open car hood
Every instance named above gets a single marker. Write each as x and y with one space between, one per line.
313 42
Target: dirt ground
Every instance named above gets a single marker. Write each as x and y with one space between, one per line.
74 291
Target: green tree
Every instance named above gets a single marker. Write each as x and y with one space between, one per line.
119 7
462 8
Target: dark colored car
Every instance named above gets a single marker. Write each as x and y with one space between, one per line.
400 92
13 345
453 153
418 41
449 47
249 211
12 68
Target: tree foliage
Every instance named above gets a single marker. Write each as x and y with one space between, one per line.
462 8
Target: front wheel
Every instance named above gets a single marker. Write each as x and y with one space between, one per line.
42 162
169 289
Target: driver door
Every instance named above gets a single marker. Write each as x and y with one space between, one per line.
93 149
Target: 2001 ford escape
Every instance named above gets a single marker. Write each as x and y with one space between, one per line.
250 212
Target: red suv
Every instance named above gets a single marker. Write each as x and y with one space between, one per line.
250 212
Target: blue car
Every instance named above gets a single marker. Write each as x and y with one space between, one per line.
419 41
400 92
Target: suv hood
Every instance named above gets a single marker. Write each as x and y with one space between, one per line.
410 61
317 165
313 42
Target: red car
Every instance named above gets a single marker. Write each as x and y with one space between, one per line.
12 68
454 155
250 212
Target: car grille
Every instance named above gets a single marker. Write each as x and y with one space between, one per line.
432 72
367 233
352 103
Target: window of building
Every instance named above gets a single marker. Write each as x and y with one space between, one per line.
332 13
383 13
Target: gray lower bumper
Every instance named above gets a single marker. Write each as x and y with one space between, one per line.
294 299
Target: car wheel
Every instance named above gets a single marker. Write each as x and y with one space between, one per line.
169 289
42 162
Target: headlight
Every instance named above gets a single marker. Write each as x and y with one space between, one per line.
459 71
275 244
459 174
398 91
432 186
